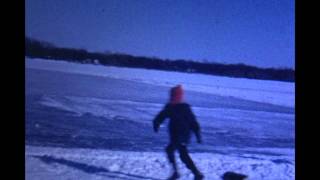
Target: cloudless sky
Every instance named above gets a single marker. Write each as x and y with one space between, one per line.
253 32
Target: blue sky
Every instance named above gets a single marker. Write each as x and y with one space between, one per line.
254 32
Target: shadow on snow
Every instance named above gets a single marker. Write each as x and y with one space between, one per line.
90 168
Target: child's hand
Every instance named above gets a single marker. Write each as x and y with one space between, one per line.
155 129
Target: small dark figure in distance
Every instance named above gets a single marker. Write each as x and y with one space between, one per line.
182 123
233 176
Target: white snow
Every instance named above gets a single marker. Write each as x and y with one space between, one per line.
273 92
66 164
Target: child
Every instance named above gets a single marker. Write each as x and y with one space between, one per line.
182 122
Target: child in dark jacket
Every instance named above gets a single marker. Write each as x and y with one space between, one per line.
182 123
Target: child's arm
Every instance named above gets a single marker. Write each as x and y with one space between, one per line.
195 127
162 115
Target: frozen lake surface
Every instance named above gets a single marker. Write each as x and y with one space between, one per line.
95 122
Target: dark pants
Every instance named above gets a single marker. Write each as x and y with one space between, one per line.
184 156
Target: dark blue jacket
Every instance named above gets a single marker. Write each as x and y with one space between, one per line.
182 122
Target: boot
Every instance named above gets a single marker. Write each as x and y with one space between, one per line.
174 176
198 176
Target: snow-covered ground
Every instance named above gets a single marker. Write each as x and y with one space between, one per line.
63 163
94 122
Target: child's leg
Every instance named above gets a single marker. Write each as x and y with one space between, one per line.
185 158
170 153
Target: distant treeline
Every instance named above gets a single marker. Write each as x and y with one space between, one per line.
40 49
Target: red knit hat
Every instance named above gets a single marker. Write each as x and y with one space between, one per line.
176 94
